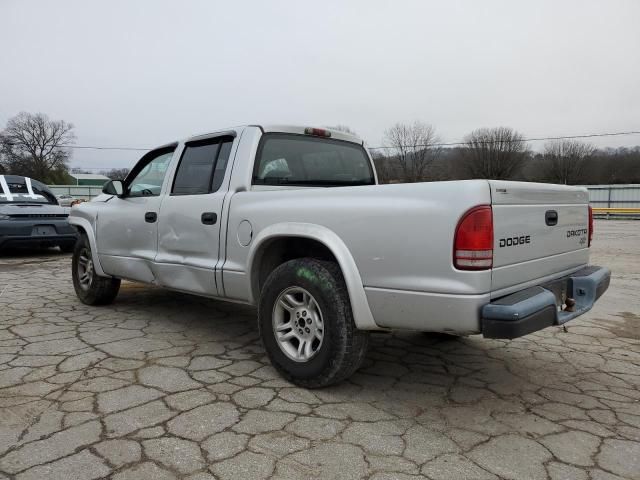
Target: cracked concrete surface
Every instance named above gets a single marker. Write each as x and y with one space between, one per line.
162 385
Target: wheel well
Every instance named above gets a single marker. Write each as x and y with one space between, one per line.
282 249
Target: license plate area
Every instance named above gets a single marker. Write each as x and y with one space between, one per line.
559 290
43 230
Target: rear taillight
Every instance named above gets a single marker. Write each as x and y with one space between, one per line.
590 224
473 243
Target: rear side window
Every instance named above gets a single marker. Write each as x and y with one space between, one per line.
202 166
288 159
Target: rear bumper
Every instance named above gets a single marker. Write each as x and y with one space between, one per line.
48 240
538 307
21 233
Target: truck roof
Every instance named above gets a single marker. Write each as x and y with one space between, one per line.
296 129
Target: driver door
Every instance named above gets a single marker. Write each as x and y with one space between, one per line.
127 227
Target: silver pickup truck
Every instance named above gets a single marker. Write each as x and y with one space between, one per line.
291 219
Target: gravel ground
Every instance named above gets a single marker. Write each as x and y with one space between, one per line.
162 385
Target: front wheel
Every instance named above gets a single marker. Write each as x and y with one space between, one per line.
90 288
306 324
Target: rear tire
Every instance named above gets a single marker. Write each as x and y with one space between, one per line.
306 324
90 288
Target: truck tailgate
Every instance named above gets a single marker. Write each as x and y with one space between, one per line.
540 231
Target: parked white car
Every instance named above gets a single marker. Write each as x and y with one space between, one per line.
65 200
291 219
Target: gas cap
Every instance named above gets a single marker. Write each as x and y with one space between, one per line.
245 233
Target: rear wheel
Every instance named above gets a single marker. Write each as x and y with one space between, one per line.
306 324
90 288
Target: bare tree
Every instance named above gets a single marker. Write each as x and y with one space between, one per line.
383 165
116 173
564 160
32 145
496 153
415 148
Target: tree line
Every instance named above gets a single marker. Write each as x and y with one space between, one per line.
33 145
112 173
414 153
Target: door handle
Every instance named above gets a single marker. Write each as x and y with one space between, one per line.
551 218
209 218
150 217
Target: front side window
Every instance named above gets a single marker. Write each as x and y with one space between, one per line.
147 182
202 166
288 159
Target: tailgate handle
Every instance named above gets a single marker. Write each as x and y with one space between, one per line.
551 218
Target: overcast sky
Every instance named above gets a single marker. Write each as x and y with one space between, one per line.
142 73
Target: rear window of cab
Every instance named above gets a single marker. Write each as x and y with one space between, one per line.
290 159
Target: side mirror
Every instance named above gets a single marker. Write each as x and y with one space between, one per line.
114 187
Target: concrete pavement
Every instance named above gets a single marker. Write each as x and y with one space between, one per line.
162 385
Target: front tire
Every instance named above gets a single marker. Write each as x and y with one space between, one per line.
90 288
306 324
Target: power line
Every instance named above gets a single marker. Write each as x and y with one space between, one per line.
92 147
534 139
441 144
106 148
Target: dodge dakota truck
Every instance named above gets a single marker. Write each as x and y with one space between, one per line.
293 220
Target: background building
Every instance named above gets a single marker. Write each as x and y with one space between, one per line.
89 179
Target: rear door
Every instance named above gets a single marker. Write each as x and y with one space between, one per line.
540 231
190 217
